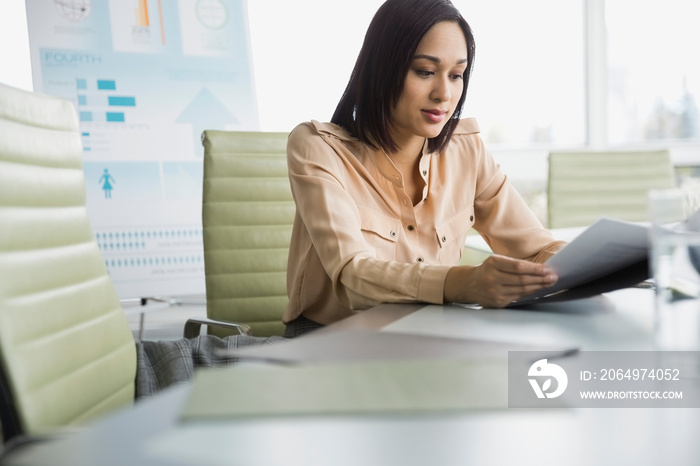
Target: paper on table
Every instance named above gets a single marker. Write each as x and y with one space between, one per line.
367 345
358 371
351 388
606 247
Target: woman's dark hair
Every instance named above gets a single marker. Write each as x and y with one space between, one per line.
379 75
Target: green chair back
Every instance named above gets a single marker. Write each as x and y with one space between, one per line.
584 186
67 354
247 217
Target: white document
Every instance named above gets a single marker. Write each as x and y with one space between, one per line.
606 247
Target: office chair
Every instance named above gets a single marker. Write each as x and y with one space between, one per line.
67 354
584 186
247 217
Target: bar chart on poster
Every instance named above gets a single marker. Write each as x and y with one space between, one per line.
146 77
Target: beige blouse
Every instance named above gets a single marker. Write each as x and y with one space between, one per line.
358 240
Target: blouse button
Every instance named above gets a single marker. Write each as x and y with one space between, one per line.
425 172
444 238
392 234
471 218
420 259
411 228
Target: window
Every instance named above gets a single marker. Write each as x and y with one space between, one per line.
527 86
528 81
653 70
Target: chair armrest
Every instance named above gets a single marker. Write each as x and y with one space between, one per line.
193 327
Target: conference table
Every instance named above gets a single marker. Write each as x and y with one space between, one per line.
153 433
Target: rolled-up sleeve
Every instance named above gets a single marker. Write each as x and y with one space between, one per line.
503 218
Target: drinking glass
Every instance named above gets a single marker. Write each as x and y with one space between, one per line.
675 264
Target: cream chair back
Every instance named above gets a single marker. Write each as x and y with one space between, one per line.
247 217
584 186
67 354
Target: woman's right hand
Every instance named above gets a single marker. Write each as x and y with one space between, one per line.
497 282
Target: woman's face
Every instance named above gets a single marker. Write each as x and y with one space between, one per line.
433 84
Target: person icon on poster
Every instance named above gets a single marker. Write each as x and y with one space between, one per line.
106 180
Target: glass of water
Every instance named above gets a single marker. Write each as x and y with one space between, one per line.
675 263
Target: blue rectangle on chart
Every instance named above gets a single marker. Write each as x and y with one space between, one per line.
115 117
85 116
82 100
81 83
86 134
106 84
122 101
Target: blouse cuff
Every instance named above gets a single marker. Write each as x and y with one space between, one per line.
431 288
549 250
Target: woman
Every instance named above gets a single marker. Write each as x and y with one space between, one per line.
388 191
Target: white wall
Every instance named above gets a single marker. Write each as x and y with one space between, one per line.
15 68
303 77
